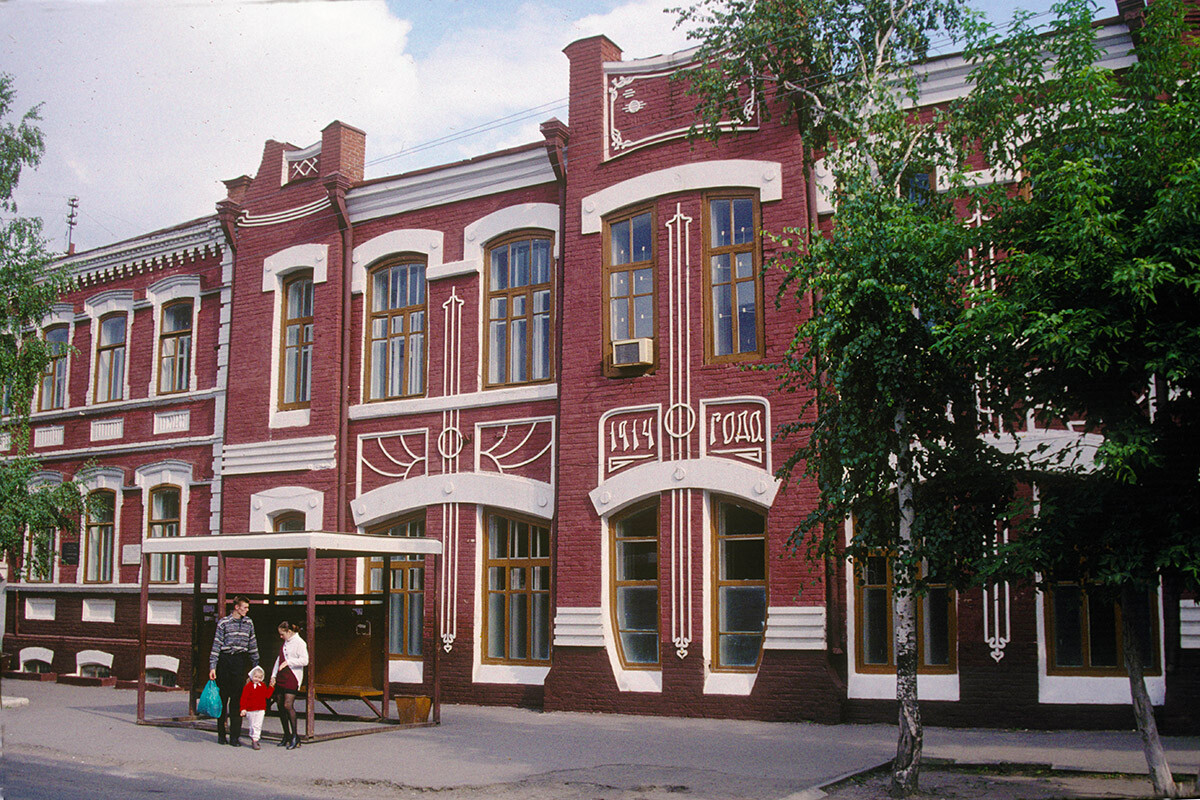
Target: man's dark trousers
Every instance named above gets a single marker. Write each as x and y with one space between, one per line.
232 670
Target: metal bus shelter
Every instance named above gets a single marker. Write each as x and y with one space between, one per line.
299 545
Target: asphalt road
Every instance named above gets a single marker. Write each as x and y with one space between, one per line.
26 778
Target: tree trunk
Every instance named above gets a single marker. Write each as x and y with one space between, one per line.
906 767
1133 608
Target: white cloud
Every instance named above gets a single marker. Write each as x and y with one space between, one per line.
149 105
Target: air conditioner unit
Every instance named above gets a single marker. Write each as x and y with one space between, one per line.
632 352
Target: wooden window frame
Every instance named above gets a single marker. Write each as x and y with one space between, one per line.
618 583
949 668
277 526
718 582
527 291
93 528
28 561
302 323
1152 669
115 382
387 585
508 563
183 365
386 313
754 247
56 371
162 563
609 369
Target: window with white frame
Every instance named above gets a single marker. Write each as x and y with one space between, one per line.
53 386
163 521
99 537
110 358
175 348
296 342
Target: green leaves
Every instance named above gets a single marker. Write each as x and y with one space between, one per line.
29 286
1096 314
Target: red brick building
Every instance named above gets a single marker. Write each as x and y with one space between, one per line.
542 358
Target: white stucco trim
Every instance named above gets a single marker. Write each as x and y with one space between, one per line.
302 256
410 240
84 657
97 307
765 176
99 609
477 234
406 670
506 492
265 506
158 661
308 453
1189 625
795 628
168 290
720 475
481 399
43 608
172 472
35 654
276 269
578 626
1092 689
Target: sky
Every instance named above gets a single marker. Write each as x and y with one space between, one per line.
147 105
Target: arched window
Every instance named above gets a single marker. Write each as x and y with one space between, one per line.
520 309
35 665
160 677
95 671
295 351
635 586
406 590
99 537
110 359
53 392
175 348
396 330
163 520
740 586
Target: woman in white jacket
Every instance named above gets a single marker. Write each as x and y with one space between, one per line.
286 677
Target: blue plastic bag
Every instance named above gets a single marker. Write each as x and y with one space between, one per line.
209 704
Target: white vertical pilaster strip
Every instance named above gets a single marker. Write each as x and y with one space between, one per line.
451 385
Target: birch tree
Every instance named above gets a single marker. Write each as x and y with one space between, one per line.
1092 315
891 434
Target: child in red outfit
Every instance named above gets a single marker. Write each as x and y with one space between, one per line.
254 703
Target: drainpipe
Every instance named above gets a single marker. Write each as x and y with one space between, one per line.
336 187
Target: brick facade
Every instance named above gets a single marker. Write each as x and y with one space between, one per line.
466 458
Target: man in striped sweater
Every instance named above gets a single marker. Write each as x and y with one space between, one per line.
234 652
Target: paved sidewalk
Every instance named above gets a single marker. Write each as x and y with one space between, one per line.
508 750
